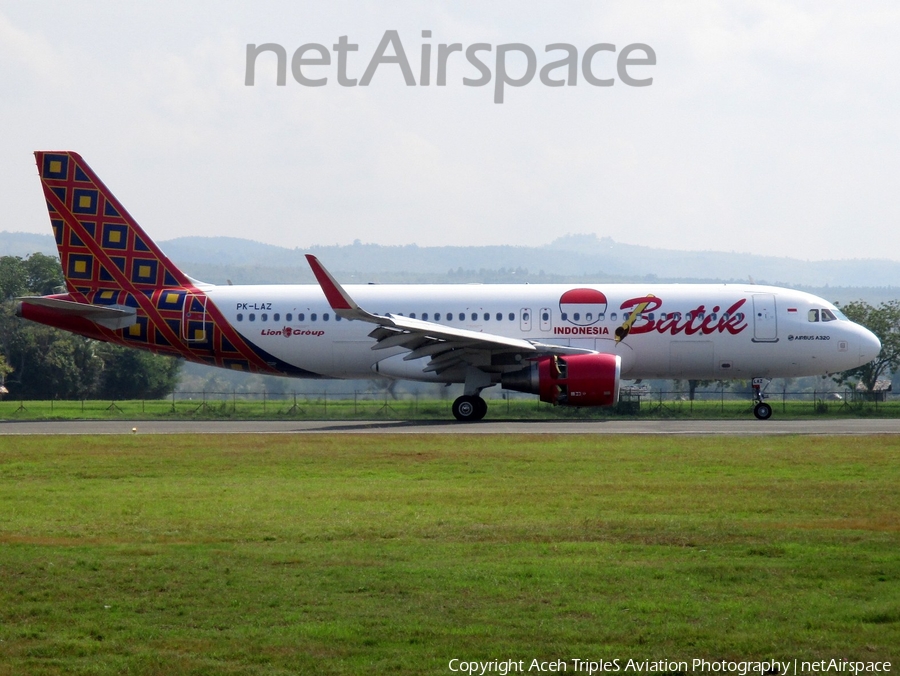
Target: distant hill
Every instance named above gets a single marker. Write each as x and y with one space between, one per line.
24 243
567 259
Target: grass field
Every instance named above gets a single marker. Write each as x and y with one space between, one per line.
392 555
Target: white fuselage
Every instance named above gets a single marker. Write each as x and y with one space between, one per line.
686 331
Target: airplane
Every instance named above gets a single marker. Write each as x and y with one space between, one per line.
570 344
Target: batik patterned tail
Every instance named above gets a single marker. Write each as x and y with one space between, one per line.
109 262
100 244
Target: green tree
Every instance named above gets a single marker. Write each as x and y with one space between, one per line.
5 369
47 363
694 384
678 384
43 274
12 277
136 374
884 322
37 274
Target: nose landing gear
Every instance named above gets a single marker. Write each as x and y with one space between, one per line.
761 410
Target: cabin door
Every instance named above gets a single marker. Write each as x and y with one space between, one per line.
765 323
194 328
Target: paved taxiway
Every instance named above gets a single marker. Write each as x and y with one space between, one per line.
750 427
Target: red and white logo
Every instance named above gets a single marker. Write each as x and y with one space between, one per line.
582 307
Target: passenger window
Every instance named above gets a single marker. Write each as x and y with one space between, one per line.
251 317
301 317
526 316
512 316
325 317
312 317
437 316
424 316
576 316
601 316
564 316
712 317
546 316
474 316
462 316
412 315
625 316
276 317
337 318
288 317
688 316
828 316
613 316
499 316
487 316
813 315
264 317
240 317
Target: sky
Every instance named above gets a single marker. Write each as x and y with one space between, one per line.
770 126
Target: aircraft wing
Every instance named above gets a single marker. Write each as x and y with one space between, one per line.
447 346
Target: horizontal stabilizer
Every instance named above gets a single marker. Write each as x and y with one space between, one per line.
109 316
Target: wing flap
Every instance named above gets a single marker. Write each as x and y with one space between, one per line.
431 348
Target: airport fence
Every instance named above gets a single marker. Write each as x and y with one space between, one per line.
362 405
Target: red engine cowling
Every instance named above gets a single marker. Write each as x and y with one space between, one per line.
573 380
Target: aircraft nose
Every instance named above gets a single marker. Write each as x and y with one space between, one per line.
869 345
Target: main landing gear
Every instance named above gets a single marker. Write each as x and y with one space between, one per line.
762 410
469 408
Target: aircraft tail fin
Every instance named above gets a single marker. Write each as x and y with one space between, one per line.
100 245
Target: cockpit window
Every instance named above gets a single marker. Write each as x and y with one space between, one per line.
813 315
828 315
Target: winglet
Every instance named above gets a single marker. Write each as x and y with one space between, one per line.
337 297
339 300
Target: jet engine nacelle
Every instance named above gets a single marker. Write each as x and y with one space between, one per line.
572 380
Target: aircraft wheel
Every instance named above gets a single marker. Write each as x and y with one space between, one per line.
762 411
480 407
469 409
